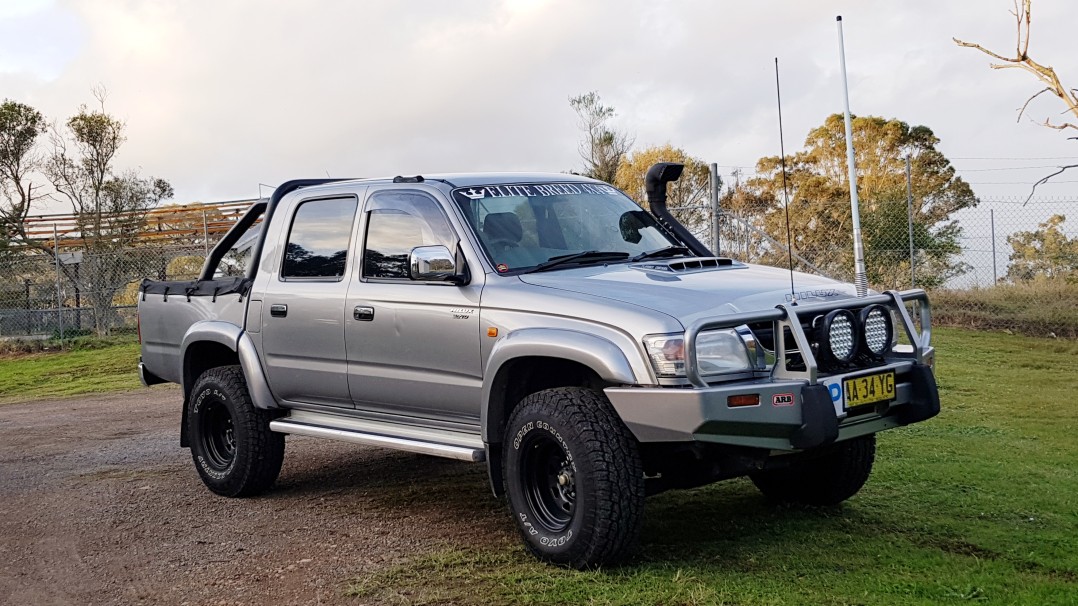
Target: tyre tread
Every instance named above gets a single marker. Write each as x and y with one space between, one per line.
619 479
266 447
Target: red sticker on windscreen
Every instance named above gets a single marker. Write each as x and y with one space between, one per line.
502 268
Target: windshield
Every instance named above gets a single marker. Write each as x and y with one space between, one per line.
522 226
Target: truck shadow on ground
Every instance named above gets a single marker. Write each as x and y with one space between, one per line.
728 524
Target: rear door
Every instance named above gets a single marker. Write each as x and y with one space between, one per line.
303 308
413 347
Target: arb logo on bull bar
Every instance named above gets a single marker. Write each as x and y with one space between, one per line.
782 399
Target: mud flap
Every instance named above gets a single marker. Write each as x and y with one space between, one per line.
494 469
185 441
819 424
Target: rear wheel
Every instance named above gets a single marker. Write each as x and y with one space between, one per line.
232 446
835 475
574 478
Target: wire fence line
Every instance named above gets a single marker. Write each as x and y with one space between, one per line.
1029 252
71 293
998 241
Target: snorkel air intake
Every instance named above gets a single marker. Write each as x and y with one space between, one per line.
655 185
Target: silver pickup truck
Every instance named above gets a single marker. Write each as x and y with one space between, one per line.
589 352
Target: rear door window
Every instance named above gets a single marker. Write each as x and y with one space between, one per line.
318 241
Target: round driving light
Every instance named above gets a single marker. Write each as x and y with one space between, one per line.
838 335
876 329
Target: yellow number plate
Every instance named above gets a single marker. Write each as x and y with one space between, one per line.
869 389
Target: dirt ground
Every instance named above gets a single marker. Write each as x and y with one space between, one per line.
99 504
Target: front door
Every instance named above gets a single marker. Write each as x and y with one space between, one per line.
303 308
413 347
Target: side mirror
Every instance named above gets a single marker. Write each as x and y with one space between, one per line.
433 264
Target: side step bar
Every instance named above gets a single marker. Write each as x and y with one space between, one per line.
422 440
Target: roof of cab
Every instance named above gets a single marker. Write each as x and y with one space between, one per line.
473 179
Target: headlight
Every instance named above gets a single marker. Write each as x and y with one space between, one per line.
877 329
717 352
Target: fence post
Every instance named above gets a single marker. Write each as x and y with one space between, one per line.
205 233
909 216
59 293
992 220
715 182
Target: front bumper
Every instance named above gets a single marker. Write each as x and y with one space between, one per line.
791 415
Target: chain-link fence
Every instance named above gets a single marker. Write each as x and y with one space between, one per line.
1003 264
1007 264
72 292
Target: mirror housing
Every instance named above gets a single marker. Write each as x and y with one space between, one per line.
434 264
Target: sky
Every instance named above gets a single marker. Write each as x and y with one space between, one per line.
220 96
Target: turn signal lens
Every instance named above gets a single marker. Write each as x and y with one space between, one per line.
667 353
749 399
674 350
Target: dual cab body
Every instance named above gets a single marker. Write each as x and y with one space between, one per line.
453 315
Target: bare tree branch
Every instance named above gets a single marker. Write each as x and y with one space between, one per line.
1062 126
983 50
1026 104
1062 169
1047 75
1028 12
1044 73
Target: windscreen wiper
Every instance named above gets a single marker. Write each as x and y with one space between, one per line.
669 251
588 255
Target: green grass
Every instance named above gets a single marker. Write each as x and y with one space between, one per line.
979 505
89 366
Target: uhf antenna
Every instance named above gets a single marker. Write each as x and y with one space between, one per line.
860 278
785 190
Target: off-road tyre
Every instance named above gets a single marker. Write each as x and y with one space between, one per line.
234 451
594 518
830 478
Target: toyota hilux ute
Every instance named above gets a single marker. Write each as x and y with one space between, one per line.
589 352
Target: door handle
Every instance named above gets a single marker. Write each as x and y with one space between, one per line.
277 310
363 313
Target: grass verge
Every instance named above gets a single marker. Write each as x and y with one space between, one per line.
975 506
1039 308
87 366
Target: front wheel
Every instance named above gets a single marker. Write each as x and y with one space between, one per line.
574 478
830 478
233 448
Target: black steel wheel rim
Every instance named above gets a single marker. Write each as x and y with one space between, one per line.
217 435
549 482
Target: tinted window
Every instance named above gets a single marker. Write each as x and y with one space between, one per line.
318 241
397 223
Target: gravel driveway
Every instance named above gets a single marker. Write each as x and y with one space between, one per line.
100 505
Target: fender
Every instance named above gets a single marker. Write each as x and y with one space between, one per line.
599 354
234 338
